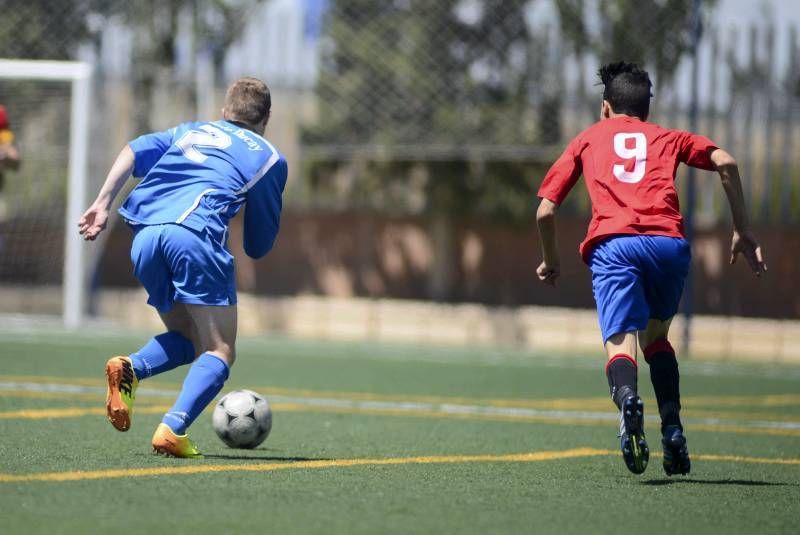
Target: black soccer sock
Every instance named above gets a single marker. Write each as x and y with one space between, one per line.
621 374
666 381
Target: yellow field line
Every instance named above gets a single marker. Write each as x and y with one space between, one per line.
741 459
50 395
158 401
540 456
714 428
98 397
298 465
774 400
600 403
74 412
740 415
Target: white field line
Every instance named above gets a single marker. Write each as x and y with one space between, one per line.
411 408
29 330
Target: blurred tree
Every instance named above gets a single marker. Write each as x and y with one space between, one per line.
215 24
44 29
425 83
419 79
413 71
654 33
54 29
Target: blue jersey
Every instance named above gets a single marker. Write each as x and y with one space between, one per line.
200 174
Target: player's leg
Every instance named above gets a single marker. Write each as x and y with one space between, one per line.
168 350
622 372
216 329
665 377
664 374
621 367
622 311
161 353
668 266
202 275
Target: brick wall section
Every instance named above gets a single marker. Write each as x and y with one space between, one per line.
363 255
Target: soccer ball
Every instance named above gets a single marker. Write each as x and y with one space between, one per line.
242 419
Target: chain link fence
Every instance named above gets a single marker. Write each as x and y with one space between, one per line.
393 101
443 114
506 84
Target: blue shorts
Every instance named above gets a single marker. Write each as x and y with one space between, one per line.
175 263
637 278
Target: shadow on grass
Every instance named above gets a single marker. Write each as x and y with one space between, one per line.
734 482
272 454
262 457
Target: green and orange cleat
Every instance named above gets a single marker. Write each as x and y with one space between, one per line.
166 442
122 385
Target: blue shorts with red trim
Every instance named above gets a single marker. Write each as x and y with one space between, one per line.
176 263
637 278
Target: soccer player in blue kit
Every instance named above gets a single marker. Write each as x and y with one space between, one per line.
194 179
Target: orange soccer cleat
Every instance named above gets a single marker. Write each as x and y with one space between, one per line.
166 442
122 385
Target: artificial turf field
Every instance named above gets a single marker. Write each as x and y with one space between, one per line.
382 439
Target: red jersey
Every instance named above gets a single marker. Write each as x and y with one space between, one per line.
629 166
6 136
3 118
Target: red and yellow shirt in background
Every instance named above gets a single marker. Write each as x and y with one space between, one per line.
6 135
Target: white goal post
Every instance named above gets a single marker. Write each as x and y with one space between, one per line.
79 75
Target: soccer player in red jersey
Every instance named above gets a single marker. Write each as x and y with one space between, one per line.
9 155
635 246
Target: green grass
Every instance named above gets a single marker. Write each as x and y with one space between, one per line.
579 495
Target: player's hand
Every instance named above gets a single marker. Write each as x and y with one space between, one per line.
745 244
92 222
548 273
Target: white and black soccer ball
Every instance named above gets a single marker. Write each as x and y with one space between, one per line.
242 419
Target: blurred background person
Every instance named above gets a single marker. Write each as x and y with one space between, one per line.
9 155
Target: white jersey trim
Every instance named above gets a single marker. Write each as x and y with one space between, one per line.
194 205
261 173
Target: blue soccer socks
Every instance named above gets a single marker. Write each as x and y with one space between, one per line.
666 381
203 382
161 354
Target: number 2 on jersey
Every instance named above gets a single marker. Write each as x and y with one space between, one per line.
209 137
638 152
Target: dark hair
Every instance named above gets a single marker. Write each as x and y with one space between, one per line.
248 100
627 88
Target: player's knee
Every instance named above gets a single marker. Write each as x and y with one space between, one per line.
226 352
657 348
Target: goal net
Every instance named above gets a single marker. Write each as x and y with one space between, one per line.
42 258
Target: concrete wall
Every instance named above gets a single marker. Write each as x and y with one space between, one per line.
365 255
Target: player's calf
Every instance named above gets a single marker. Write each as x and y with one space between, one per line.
666 381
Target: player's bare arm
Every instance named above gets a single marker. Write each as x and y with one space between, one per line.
9 157
743 241
94 220
550 268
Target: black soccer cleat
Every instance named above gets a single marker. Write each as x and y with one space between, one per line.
676 454
631 434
